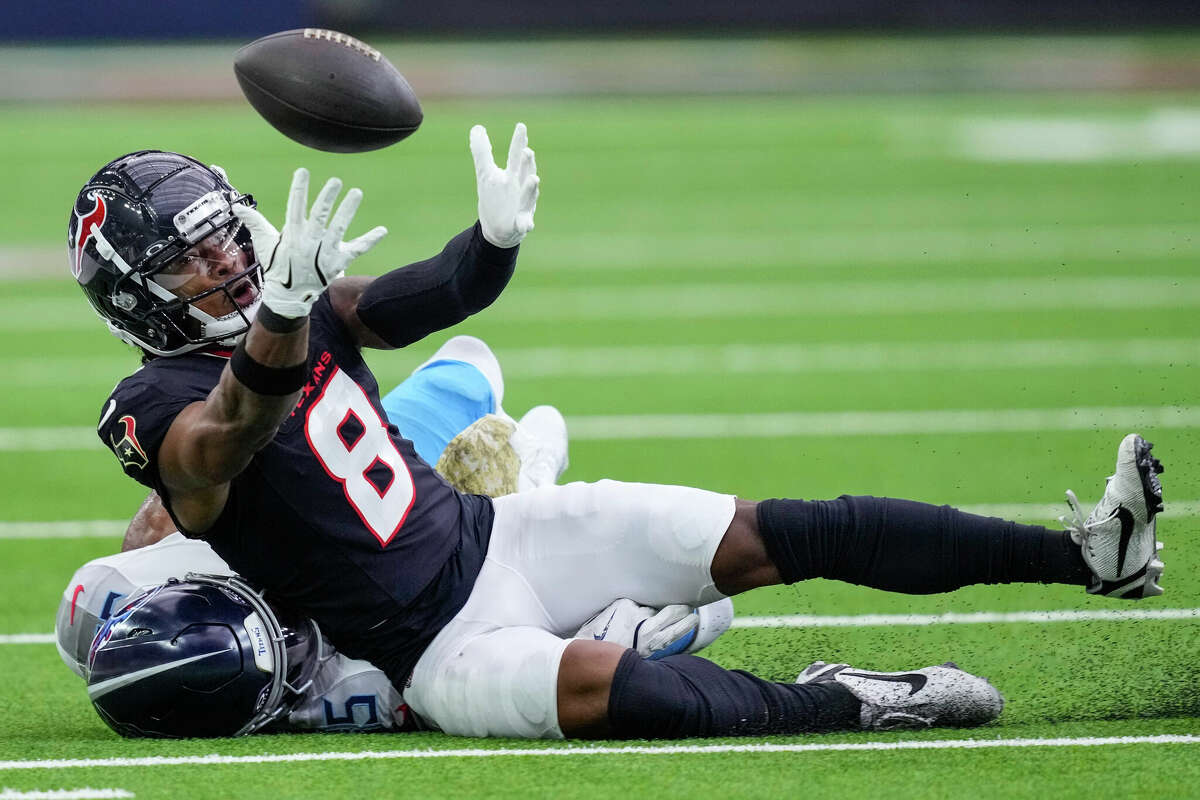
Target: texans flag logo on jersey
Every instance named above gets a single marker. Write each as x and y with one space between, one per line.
128 449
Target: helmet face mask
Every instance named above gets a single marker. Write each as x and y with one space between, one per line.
203 657
133 225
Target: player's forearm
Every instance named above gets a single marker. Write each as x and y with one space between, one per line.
408 304
150 524
256 392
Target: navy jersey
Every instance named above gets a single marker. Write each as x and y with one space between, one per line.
337 516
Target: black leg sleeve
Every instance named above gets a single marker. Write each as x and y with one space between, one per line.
910 547
683 696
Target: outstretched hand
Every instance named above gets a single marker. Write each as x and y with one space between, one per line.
300 262
507 197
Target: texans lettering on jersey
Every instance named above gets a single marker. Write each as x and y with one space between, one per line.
337 516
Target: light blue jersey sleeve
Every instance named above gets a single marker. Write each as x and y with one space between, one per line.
435 404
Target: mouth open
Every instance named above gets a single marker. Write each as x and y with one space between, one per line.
244 293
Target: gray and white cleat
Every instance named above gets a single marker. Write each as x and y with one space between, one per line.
922 698
1118 537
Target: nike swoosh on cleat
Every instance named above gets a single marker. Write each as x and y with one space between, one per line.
913 679
1126 518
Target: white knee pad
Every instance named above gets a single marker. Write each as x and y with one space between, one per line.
502 682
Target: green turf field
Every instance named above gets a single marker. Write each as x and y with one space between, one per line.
771 296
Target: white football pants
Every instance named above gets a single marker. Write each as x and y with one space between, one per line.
558 555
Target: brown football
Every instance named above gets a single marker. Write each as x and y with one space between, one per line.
327 90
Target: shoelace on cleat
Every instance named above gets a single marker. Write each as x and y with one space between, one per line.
1075 522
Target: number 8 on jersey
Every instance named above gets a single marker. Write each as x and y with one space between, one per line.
352 443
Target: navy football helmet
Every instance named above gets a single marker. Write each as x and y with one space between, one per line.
128 242
201 657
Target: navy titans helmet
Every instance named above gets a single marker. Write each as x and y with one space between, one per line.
201 657
127 241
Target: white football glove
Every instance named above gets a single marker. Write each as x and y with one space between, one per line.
659 633
299 263
507 197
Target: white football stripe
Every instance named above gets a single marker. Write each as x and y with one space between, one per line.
121 681
571 750
767 425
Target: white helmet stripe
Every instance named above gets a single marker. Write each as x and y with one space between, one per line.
121 681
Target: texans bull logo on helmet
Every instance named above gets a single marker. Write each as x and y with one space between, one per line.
95 218
128 449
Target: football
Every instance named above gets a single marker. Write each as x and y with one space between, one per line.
327 90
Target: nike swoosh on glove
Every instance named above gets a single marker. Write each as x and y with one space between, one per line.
300 262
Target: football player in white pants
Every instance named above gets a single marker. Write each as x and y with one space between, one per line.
456 393
276 452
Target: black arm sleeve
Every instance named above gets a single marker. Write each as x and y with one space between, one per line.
409 303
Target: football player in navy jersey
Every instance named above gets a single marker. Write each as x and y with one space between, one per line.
260 426
454 399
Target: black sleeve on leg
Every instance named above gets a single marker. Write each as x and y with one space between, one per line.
683 696
910 547
408 304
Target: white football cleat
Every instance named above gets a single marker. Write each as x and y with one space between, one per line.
1118 537
922 698
540 441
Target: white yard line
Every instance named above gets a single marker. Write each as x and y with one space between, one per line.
762 299
768 425
1165 133
845 298
878 620
877 423
860 247
571 750
64 529
882 250
779 358
112 528
975 618
803 357
64 794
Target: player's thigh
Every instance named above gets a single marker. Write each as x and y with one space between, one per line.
478 680
583 545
